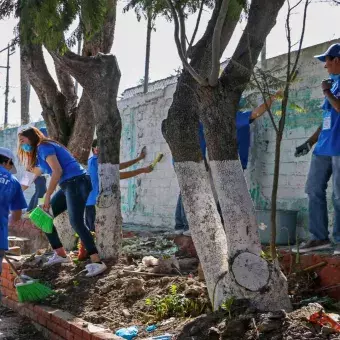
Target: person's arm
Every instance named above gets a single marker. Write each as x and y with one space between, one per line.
133 173
15 216
326 86
57 171
304 148
260 110
127 164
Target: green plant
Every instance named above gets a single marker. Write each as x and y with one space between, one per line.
175 304
227 304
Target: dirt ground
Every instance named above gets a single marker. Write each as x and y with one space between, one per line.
119 298
15 327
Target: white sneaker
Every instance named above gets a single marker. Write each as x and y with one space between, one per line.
94 269
55 259
179 231
187 233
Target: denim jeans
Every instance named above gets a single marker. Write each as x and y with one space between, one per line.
90 217
180 218
72 197
321 170
40 191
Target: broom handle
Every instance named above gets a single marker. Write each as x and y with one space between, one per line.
12 266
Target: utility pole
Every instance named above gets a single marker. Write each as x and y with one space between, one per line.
7 67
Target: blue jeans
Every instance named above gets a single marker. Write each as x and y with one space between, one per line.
180 218
321 170
40 191
72 197
90 217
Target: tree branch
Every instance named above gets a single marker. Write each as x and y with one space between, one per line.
196 27
182 29
186 65
216 44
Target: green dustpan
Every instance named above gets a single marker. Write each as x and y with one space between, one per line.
42 220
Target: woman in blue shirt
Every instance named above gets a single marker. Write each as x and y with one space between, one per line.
41 154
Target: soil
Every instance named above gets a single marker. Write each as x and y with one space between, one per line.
117 299
15 327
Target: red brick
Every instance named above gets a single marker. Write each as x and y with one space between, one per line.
44 311
61 331
69 335
51 325
77 337
55 319
33 316
77 327
42 321
86 335
64 318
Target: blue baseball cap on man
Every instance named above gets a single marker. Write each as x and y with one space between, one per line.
333 51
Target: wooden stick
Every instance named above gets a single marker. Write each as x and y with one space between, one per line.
12 266
314 266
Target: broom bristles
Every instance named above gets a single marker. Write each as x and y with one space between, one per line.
42 220
32 291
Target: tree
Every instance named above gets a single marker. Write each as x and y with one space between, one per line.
264 82
230 256
44 24
149 10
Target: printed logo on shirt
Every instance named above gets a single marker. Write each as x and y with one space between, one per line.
327 122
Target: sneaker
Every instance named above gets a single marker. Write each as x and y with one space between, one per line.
179 231
187 233
311 245
94 269
55 259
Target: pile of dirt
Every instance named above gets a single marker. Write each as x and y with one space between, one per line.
119 298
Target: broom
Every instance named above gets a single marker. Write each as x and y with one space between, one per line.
42 220
28 289
156 160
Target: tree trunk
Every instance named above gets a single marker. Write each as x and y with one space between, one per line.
99 76
180 129
274 195
147 52
25 90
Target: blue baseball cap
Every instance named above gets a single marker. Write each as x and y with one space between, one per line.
333 51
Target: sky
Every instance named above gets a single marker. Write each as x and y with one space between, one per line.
323 24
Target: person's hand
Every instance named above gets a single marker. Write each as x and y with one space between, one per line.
148 169
303 149
47 202
278 94
142 153
326 84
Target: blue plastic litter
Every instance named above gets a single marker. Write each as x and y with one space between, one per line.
127 333
162 337
151 328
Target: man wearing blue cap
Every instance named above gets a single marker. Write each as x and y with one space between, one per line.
11 198
325 160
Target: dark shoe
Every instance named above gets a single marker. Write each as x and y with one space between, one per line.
311 245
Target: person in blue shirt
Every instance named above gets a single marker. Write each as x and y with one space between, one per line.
11 198
41 154
92 170
325 160
40 185
243 121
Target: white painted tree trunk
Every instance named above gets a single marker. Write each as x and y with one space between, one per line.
109 218
205 225
250 275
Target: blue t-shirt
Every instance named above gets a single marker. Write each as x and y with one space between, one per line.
329 142
11 199
71 168
243 136
92 170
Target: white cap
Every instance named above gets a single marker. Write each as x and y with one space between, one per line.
9 154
